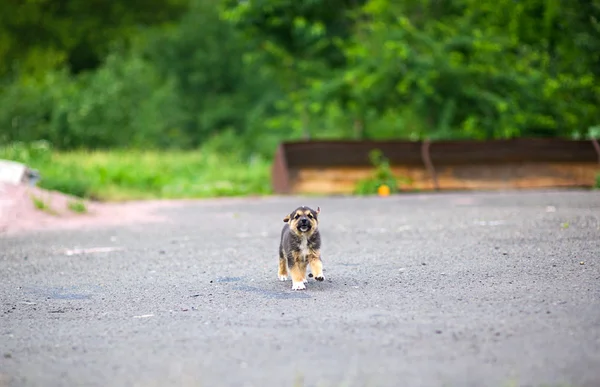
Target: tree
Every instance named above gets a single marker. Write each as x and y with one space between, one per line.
36 35
298 40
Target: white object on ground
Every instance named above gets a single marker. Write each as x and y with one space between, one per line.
92 250
17 173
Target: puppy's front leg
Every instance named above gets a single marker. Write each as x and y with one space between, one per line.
298 272
316 266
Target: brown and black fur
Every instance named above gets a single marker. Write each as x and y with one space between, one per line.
300 246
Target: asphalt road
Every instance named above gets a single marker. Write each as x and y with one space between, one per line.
485 289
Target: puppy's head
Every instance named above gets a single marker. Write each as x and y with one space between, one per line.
303 220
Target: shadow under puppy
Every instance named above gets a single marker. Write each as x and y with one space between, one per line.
300 246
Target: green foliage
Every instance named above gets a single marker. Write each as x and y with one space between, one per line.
461 71
244 75
39 35
127 94
77 206
382 176
121 175
124 103
36 152
297 41
27 105
68 179
220 92
39 203
43 205
415 70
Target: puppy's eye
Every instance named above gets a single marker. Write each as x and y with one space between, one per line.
297 216
310 216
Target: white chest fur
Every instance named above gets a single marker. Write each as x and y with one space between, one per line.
304 250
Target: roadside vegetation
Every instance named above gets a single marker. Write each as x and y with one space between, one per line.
136 174
189 98
43 204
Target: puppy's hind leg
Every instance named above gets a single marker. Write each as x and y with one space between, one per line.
282 273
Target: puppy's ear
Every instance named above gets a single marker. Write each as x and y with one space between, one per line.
286 219
318 210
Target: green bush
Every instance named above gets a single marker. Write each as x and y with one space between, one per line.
122 104
125 103
28 106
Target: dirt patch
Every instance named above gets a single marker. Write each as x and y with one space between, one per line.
24 208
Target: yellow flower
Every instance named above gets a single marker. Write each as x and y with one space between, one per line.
383 190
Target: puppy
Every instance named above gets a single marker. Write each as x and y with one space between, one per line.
300 246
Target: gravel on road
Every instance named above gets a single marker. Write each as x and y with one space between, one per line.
450 289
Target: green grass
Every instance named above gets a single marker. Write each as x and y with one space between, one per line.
77 206
42 205
127 175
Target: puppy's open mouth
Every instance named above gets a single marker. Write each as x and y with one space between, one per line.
304 228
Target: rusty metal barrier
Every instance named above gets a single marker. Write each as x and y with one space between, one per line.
334 167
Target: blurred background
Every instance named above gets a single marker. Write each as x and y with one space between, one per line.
126 99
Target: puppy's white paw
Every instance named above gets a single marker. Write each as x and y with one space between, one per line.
305 281
298 286
283 277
